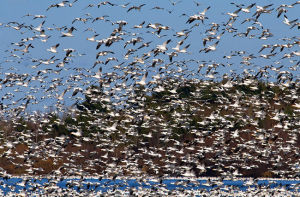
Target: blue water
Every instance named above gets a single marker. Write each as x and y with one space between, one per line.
15 184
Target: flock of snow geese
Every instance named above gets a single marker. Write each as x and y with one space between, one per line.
120 55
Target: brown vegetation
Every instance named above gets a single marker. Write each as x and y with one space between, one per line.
202 124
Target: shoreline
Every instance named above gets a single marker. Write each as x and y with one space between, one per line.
156 178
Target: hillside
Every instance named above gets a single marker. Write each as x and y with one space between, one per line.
173 127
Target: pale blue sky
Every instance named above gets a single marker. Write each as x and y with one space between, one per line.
13 10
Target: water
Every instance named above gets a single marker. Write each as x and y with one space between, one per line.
31 185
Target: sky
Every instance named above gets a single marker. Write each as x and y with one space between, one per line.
174 16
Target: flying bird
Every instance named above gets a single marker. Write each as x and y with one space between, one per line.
53 48
136 7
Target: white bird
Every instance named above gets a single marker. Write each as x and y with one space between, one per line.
178 45
288 22
247 9
61 96
113 127
184 50
98 75
235 13
53 48
26 49
77 133
296 105
69 33
210 48
92 39
149 135
143 80
39 28
38 16
163 47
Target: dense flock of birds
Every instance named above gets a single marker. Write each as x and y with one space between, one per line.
120 62
90 186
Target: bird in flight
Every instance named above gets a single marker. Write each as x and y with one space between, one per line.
136 7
